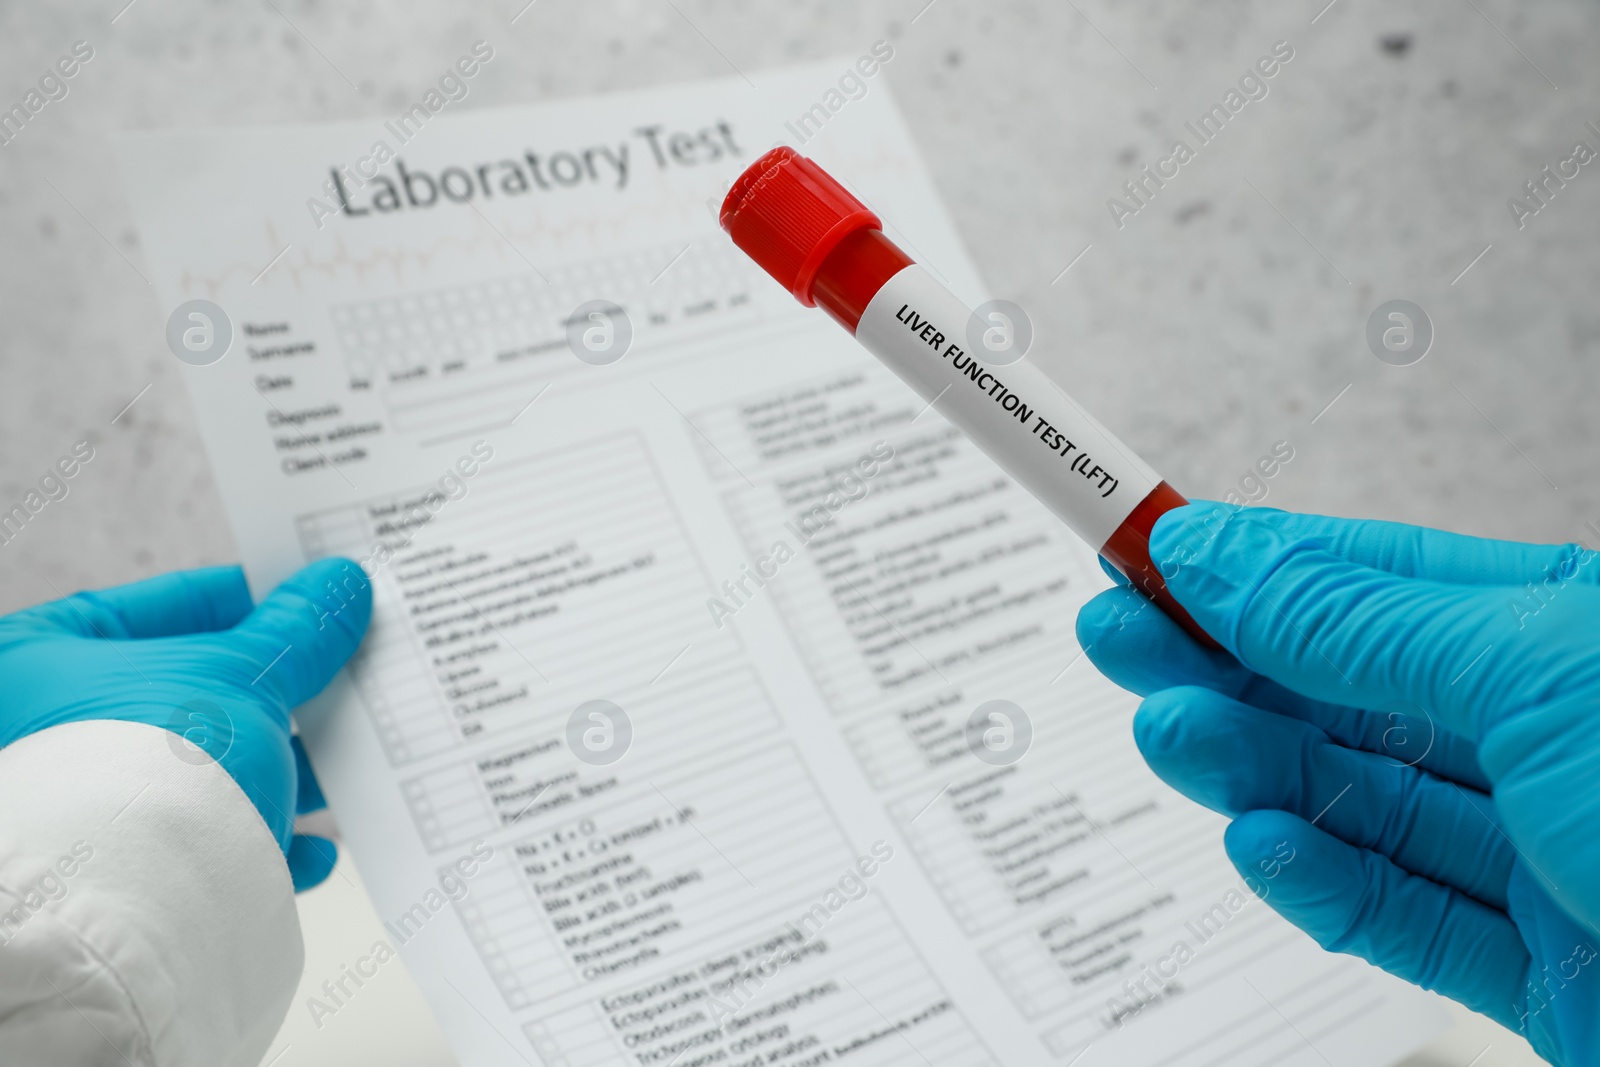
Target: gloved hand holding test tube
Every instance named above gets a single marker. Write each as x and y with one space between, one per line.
1453 847
823 245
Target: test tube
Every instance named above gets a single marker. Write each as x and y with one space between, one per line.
822 244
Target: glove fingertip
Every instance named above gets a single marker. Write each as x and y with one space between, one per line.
308 791
1139 647
1263 847
1158 725
1255 832
1098 615
311 859
1111 572
341 587
1114 631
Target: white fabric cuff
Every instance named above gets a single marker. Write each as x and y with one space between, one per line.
146 912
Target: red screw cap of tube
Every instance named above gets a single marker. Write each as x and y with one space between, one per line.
787 214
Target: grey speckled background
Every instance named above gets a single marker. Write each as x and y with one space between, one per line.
1205 330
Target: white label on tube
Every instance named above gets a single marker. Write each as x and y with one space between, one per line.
1019 417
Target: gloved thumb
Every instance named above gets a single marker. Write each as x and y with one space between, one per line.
305 630
1333 630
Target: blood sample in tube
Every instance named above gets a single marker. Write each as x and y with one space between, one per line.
818 241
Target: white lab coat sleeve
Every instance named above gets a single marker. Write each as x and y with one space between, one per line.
146 913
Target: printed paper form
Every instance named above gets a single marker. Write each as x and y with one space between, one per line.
792 578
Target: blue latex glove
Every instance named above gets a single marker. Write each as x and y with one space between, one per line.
1418 714
188 652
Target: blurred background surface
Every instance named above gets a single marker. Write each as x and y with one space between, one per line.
1226 316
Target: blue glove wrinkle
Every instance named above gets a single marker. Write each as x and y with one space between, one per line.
96 617
1354 901
1536 659
182 602
1539 756
1353 935
1435 829
1420 552
1234 758
1147 652
1556 1009
1346 634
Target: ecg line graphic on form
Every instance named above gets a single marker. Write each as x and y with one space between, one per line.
544 233
538 237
